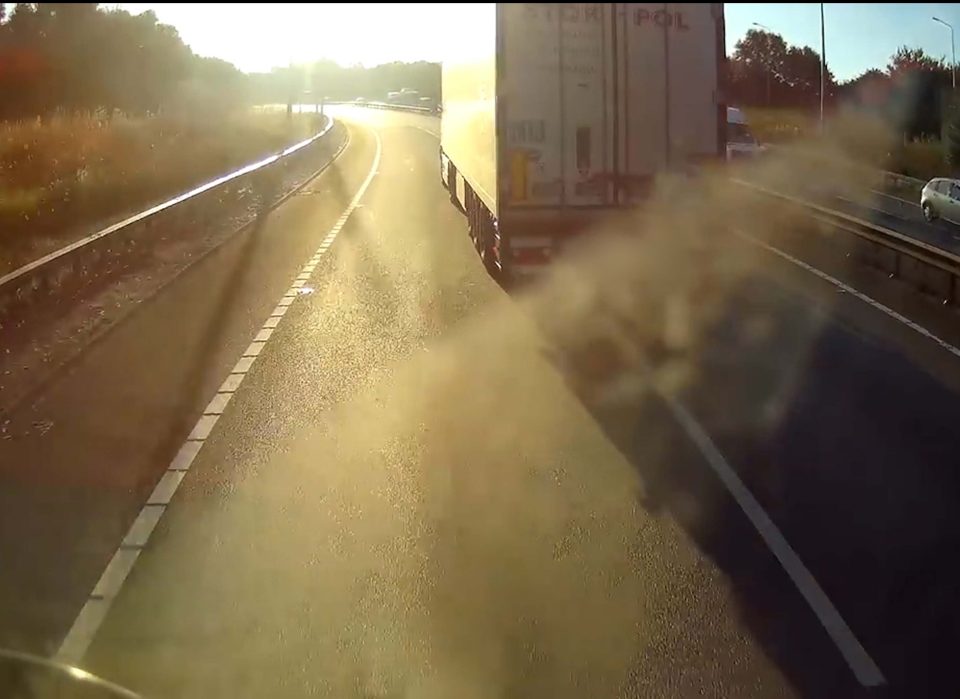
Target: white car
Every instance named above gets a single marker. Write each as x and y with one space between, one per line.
940 198
741 143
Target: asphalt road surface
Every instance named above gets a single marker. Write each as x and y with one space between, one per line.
416 485
893 212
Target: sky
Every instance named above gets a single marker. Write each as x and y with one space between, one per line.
259 36
858 35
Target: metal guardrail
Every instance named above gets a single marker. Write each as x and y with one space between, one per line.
82 257
901 180
388 105
928 267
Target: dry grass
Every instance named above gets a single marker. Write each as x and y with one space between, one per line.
772 125
61 176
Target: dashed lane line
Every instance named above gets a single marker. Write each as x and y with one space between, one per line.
95 609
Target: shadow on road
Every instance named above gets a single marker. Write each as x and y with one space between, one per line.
848 446
225 304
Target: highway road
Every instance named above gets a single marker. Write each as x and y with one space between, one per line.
902 216
336 459
896 213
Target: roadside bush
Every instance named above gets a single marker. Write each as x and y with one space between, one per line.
61 176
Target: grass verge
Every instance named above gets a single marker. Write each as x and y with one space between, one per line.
64 176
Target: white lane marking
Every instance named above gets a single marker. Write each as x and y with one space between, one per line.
143 526
254 349
853 292
167 486
860 662
243 365
899 199
84 627
261 336
218 403
95 609
231 383
426 130
116 572
201 430
872 208
188 452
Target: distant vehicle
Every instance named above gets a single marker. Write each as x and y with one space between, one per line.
741 143
535 153
360 100
940 198
407 97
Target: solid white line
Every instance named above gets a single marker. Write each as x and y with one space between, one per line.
94 610
862 665
853 292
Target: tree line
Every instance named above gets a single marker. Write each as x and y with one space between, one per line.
912 90
327 79
83 58
70 58
77 57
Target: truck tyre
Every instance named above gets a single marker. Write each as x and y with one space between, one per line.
452 184
485 242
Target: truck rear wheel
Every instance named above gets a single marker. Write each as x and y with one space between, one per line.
452 184
482 231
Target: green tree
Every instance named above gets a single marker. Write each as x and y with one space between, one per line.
906 60
801 71
757 66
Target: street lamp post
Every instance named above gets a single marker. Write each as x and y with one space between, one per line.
953 52
823 66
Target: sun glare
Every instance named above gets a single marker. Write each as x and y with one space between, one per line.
258 37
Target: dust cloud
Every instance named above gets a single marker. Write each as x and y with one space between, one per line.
455 520
500 537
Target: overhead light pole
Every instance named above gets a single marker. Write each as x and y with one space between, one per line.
823 66
953 52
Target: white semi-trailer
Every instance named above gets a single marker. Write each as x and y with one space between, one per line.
555 114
